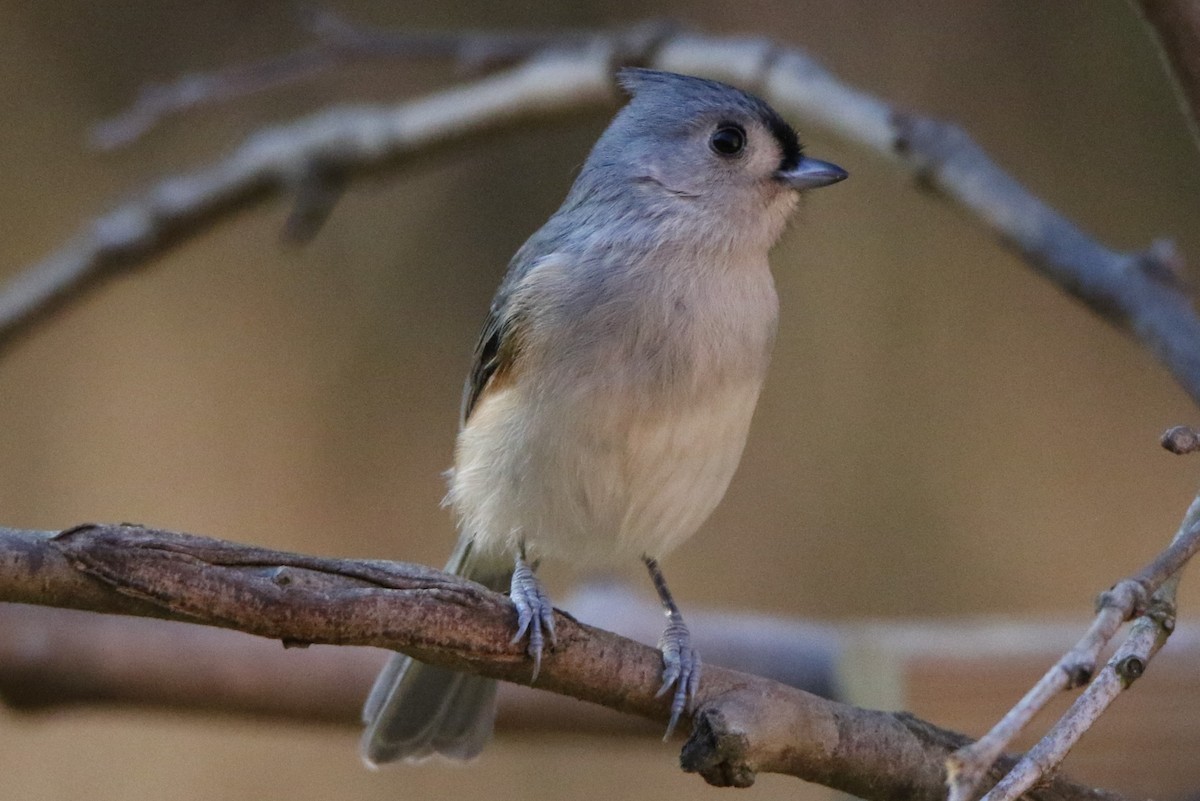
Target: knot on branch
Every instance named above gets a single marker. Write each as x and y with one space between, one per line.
1162 262
318 185
1162 612
1130 669
1079 671
1180 440
1127 596
928 145
716 750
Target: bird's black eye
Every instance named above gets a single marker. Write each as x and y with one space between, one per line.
728 139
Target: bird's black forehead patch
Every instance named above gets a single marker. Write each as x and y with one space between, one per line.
686 94
785 135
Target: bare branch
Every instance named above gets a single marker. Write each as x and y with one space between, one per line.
1176 28
54 658
1141 294
1148 595
745 724
1138 292
281 160
340 42
51 658
1127 665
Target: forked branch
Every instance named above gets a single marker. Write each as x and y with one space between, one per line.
1149 597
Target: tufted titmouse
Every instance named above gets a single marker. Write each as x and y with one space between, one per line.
614 380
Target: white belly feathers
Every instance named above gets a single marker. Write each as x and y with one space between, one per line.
590 490
631 453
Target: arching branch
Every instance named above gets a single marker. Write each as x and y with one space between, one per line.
1140 292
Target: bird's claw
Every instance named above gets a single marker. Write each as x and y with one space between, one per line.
681 670
535 614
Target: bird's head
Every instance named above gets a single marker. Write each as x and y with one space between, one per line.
685 145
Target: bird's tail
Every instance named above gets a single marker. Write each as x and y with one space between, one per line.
415 711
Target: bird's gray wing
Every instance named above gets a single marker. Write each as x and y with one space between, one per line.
499 342
495 354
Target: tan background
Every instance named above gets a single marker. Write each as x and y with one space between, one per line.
943 434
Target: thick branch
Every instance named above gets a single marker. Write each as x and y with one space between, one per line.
54 658
51 658
746 724
1138 292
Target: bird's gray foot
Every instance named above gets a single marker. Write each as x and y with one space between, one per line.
681 663
535 614
681 669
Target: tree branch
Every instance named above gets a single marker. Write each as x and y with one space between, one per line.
338 42
340 142
1149 595
1146 637
744 724
53 658
50 658
1140 293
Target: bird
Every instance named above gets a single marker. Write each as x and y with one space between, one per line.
613 384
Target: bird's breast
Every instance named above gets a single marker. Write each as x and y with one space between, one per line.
625 424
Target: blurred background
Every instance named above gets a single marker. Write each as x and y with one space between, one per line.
943 436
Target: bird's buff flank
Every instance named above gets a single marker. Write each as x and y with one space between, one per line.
614 381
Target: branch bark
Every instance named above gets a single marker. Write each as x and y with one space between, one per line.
1140 293
744 724
1149 596
51 658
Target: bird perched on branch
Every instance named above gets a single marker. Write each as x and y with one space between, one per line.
614 380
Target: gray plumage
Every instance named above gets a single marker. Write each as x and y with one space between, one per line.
666 106
615 377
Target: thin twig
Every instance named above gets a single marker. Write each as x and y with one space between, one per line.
745 725
1146 637
338 42
1147 595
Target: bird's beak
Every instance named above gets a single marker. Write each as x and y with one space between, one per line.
811 174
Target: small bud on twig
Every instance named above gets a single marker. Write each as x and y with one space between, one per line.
1181 440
